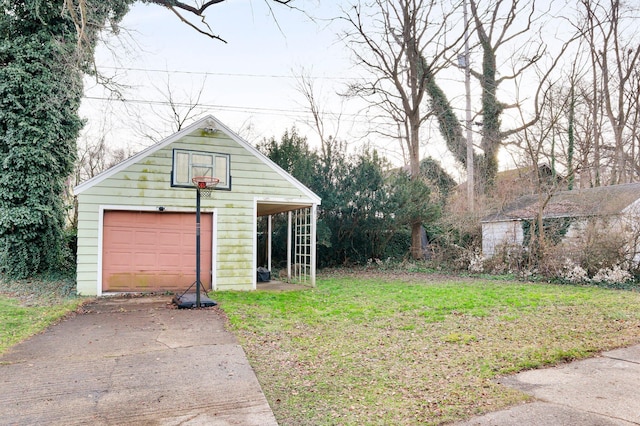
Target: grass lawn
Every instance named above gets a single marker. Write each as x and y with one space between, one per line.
18 322
25 311
376 349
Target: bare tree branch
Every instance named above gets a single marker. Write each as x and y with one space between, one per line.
204 32
542 82
78 11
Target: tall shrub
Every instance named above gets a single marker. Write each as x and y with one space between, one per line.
366 211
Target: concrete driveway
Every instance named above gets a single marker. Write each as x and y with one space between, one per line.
132 361
600 391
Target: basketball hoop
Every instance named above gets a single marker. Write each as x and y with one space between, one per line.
205 184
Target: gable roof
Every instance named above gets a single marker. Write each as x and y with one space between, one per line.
599 201
204 123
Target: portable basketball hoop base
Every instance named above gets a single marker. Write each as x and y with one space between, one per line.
189 301
204 184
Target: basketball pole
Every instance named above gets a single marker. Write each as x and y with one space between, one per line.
185 300
197 247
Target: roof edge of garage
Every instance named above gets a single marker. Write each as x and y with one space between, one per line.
207 121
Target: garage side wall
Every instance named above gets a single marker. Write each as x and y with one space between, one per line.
495 234
146 184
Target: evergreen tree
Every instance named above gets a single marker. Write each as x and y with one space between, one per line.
367 212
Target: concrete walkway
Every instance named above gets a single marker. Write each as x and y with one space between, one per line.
132 361
600 391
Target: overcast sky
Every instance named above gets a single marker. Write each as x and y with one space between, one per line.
248 83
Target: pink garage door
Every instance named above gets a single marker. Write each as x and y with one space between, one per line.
153 251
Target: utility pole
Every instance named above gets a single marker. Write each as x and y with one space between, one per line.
467 86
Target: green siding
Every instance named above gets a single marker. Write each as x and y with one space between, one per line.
147 183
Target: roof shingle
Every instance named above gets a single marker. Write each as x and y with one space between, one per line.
600 201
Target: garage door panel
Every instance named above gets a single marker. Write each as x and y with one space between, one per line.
120 236
152 251
146 237
121 259
169 261
179 220
171 239
147 282
147 261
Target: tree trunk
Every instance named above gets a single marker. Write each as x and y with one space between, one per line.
491 110
416 242
414 162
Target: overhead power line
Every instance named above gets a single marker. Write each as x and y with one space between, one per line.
221 107
201 105
230 108
221 74
247 75
281 112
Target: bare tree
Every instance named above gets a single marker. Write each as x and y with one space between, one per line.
94 156
539 143
633 126
615 53
169 113
401 44
329 137
182 109
497 26
585 115
589 123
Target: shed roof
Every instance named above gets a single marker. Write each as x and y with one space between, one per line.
206 122
599 201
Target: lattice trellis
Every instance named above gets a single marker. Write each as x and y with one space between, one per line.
302 241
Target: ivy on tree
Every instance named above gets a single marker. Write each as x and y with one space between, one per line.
41 69
39 98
